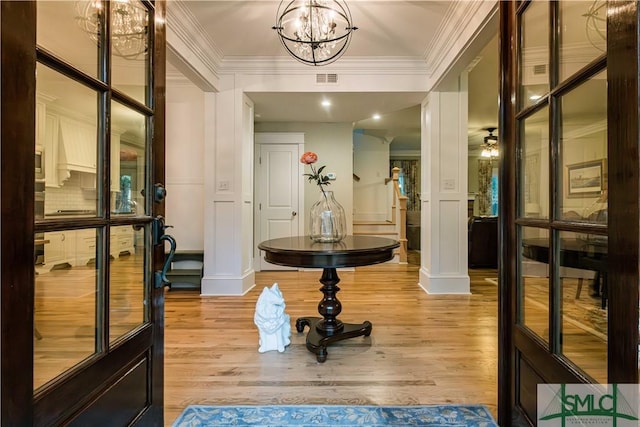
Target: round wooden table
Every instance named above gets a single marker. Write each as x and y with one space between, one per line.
352 251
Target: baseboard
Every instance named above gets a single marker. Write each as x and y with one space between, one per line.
444 284
227 285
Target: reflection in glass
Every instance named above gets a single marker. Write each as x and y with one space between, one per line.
127 292
130 48
128 136
534 181
583 34
583 152
535 53
73 44
67 141
583 274
533 298
65 303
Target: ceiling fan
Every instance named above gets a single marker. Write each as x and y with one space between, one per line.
490 144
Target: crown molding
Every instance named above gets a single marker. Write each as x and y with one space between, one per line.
460 26
188 42
281 65
176 78
585 130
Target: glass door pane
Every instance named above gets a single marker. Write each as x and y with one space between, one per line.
533 295
128 294
583 277
127 291
66 300
67 145
534 179
583 151
128 165
534 58
583 34
78 43
130 49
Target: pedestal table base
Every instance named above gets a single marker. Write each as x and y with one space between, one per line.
318 340
328 328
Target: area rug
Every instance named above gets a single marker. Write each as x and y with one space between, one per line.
336 415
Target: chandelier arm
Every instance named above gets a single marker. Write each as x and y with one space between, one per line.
312 42
315 61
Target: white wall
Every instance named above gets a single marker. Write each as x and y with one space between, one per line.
185 163
332 142
371 165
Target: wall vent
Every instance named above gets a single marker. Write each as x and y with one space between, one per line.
539 69
326 78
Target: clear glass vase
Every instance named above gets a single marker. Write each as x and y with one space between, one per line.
327 222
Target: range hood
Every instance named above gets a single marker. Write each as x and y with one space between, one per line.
77 143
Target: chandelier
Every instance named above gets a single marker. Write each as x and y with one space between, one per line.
596 24
490 144
315 32
129 25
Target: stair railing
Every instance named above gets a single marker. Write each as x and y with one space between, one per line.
399 211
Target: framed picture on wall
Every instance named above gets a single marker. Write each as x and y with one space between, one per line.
585 179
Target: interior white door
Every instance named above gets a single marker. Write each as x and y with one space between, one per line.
278 189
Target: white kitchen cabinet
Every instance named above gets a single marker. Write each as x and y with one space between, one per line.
60 249
85 246
115 162
122 241
50 144
78 247
41 115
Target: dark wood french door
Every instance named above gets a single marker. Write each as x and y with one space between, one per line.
82 105
569 223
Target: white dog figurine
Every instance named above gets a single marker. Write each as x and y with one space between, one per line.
272 322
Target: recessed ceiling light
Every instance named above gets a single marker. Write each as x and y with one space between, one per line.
326 103
535 97
376 117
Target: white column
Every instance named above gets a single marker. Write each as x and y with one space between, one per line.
228 208
444 198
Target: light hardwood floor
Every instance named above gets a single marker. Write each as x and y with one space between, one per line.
424 349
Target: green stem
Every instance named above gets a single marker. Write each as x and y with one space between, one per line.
318 181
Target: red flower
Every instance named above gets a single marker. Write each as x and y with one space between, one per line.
309 157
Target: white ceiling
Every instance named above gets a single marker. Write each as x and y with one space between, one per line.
387 29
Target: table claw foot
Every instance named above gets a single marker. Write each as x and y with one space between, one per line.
301 323
321 355
368 327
